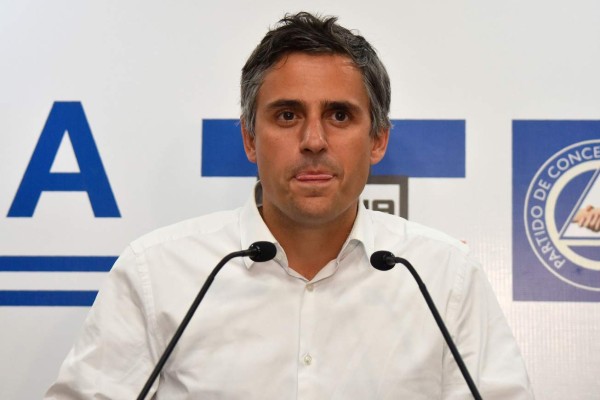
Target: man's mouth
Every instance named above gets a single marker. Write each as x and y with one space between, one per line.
316 176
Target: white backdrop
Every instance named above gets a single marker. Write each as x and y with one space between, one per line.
147 73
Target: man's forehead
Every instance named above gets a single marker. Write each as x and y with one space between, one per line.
321 77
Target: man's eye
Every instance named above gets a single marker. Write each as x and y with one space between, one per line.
340 116
287 115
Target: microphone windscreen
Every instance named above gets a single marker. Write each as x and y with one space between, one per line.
382 260
263 251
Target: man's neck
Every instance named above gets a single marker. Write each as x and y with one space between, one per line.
310 247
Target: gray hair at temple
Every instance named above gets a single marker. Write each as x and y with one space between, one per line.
306 33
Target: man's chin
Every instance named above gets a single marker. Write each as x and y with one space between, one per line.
316 212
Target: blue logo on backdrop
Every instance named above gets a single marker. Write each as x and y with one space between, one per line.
556 206
65 118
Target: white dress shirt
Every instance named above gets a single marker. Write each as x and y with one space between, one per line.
265 332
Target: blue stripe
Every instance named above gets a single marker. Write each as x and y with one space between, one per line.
54 298
425 149
417 148
223 150
56 263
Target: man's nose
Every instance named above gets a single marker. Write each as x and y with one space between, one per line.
314 138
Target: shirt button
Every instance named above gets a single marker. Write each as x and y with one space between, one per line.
307 360
310 287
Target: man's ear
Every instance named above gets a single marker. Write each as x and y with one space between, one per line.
249 142
379 145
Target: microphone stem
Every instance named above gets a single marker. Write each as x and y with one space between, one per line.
443 329
185 322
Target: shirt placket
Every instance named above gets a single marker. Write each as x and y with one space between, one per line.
308 355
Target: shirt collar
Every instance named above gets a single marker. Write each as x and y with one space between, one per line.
361 233
253 229
252 226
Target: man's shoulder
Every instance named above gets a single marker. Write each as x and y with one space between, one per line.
201 226
388 224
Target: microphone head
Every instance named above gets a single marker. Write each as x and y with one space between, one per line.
382 260
262 251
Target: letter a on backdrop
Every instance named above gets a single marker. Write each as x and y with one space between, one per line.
65 118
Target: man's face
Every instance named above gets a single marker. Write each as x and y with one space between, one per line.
312 143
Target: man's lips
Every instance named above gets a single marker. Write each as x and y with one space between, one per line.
313 176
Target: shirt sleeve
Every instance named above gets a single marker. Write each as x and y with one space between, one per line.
112 357
485 341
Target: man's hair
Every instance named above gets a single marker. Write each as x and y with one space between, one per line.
306 33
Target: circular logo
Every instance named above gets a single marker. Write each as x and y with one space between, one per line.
561 209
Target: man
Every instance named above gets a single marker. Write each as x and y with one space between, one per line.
317 322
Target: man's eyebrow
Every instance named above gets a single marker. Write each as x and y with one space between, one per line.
340 105
326 104
284 103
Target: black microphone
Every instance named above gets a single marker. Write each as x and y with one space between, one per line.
258 251
262 251
384 261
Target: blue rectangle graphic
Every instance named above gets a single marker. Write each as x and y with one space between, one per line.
417 148
56 263
223 150
425 149
51 298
